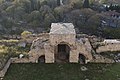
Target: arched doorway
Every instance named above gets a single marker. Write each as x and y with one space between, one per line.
62 53
82 59
41 59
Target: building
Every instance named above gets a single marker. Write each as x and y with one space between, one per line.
61 46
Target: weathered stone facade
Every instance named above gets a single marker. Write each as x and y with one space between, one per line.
61 35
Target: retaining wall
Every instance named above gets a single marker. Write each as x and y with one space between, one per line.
108 47
4 70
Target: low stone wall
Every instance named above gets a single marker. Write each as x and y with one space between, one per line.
18 60
31 38
4 70
102 59
108 47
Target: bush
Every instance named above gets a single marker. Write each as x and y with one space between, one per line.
24 34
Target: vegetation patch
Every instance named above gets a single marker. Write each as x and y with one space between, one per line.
63 72
112 55
11 51
9 41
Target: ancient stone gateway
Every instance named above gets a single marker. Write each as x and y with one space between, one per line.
61 46
62 52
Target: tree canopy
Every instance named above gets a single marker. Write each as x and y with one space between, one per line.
36 15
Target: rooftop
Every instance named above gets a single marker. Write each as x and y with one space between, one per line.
62 28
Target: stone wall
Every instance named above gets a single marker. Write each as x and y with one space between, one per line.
88 45
37 50
4 70
31 38
12 60
74 55
48 48
68 38
108 47
18 60
49 53
34 54
82 49
101 59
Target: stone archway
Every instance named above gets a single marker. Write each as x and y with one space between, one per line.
62 53
82 59
41 59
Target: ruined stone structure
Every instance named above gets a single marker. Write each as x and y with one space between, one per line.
109 45
61 46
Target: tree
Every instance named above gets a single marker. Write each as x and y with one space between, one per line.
34 18
76 4
95 20
86 14
35 4
11 11
2 1
26 4
58 2
19 12
111 7
44 2
7 22
15 12
86 4
49 18
52 3
45 9
103 1
34 15
61 11
75 18
38 5
92 2
35 23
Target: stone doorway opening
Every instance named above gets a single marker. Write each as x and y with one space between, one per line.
41 59
82 59
62 53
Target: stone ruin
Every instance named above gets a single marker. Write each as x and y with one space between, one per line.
61 45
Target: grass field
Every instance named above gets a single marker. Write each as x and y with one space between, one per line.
63 72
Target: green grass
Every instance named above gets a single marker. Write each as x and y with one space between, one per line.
62 72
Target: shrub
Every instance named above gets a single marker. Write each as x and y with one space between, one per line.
24 34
